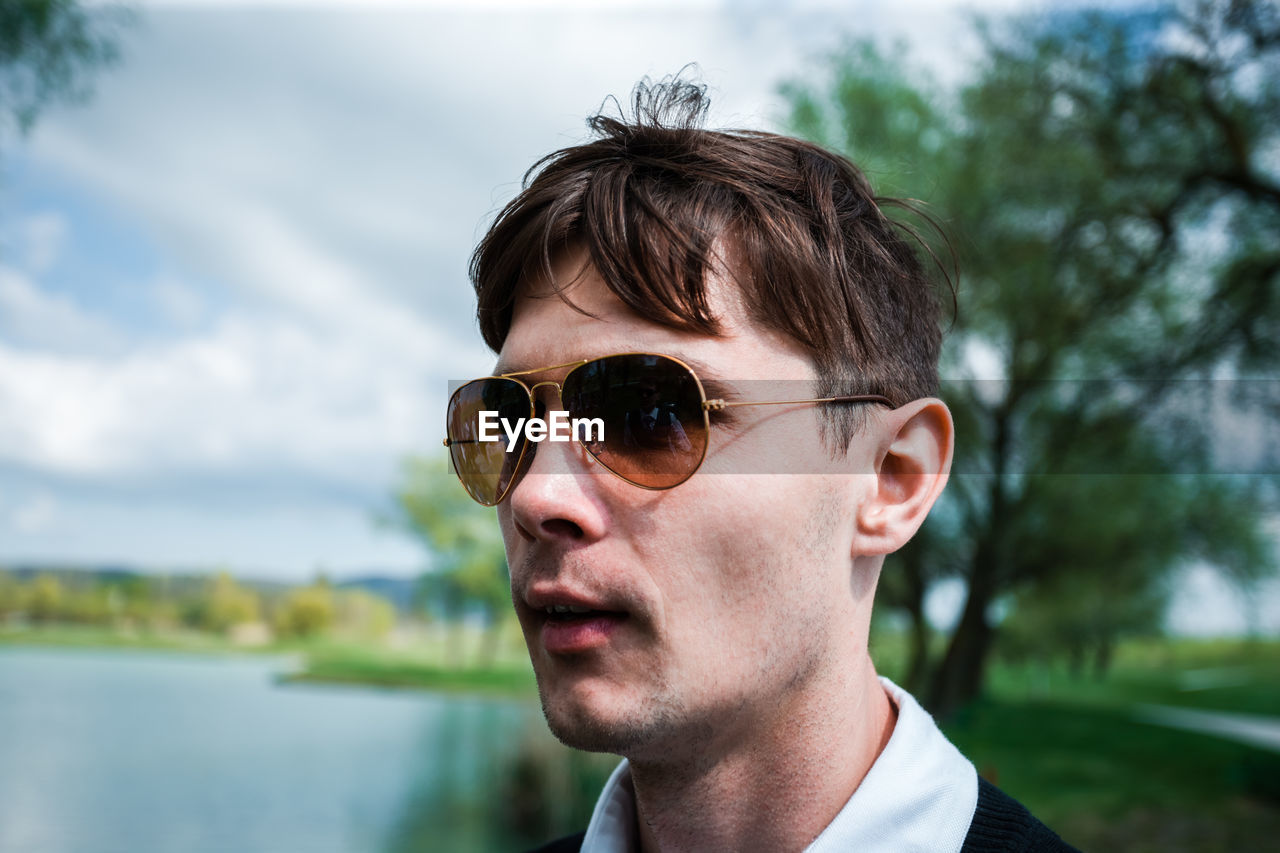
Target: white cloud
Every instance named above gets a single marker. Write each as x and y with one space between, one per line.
33 319
251 395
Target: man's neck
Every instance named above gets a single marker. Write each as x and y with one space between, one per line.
778 787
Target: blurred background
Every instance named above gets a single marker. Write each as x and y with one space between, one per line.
245 606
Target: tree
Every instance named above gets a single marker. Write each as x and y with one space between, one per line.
48 49
468 561
1114 581
306 612
223 603
45 599
364 614
1081 173
10 595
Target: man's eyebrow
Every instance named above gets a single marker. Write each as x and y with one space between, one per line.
705 372
699 367
501 369
713 382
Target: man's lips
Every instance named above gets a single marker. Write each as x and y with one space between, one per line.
570 622
575 633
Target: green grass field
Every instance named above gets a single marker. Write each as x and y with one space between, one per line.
351 666
1077 752
1106 781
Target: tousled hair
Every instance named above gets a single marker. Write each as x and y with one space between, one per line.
654 198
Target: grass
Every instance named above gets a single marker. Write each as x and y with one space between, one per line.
353 665
1103 779
1074 751
459 660
1239 675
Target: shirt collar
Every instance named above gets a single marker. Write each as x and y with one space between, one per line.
920 794
613 823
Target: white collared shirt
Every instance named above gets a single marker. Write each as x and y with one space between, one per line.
919 795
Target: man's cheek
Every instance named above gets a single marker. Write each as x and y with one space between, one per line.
513 543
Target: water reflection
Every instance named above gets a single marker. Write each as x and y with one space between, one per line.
514 798
110 751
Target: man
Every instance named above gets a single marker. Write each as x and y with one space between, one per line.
654 426
704 611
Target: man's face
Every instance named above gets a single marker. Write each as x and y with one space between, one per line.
724 598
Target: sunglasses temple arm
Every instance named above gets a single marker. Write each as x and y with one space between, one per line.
718 404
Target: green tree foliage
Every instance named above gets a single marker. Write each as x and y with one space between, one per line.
10 595
223 603
468 561
87 606
1111 186
44 599
69 597
1115 539
306 612
363 614
216 604
48 49
137 604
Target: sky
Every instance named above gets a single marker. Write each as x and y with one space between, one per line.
233 283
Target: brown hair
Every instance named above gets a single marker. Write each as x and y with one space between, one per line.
652 198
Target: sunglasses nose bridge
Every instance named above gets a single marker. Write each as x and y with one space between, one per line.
533 390
577 448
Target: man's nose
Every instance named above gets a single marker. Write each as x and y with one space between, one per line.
558 497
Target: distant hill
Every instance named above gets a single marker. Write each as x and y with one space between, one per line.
399 591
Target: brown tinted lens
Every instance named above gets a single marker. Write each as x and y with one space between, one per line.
486 467
655 431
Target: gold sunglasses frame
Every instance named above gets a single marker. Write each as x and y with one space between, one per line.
707 406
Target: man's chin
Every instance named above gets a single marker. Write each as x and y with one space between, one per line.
591 723
583 727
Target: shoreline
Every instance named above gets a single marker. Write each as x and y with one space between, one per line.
321 662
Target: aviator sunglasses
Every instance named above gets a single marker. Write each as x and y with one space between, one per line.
653 408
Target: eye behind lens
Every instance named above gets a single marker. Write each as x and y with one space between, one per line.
479 449
655 430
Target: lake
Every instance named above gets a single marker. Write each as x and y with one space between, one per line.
125 752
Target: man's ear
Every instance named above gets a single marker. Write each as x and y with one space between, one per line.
912 464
